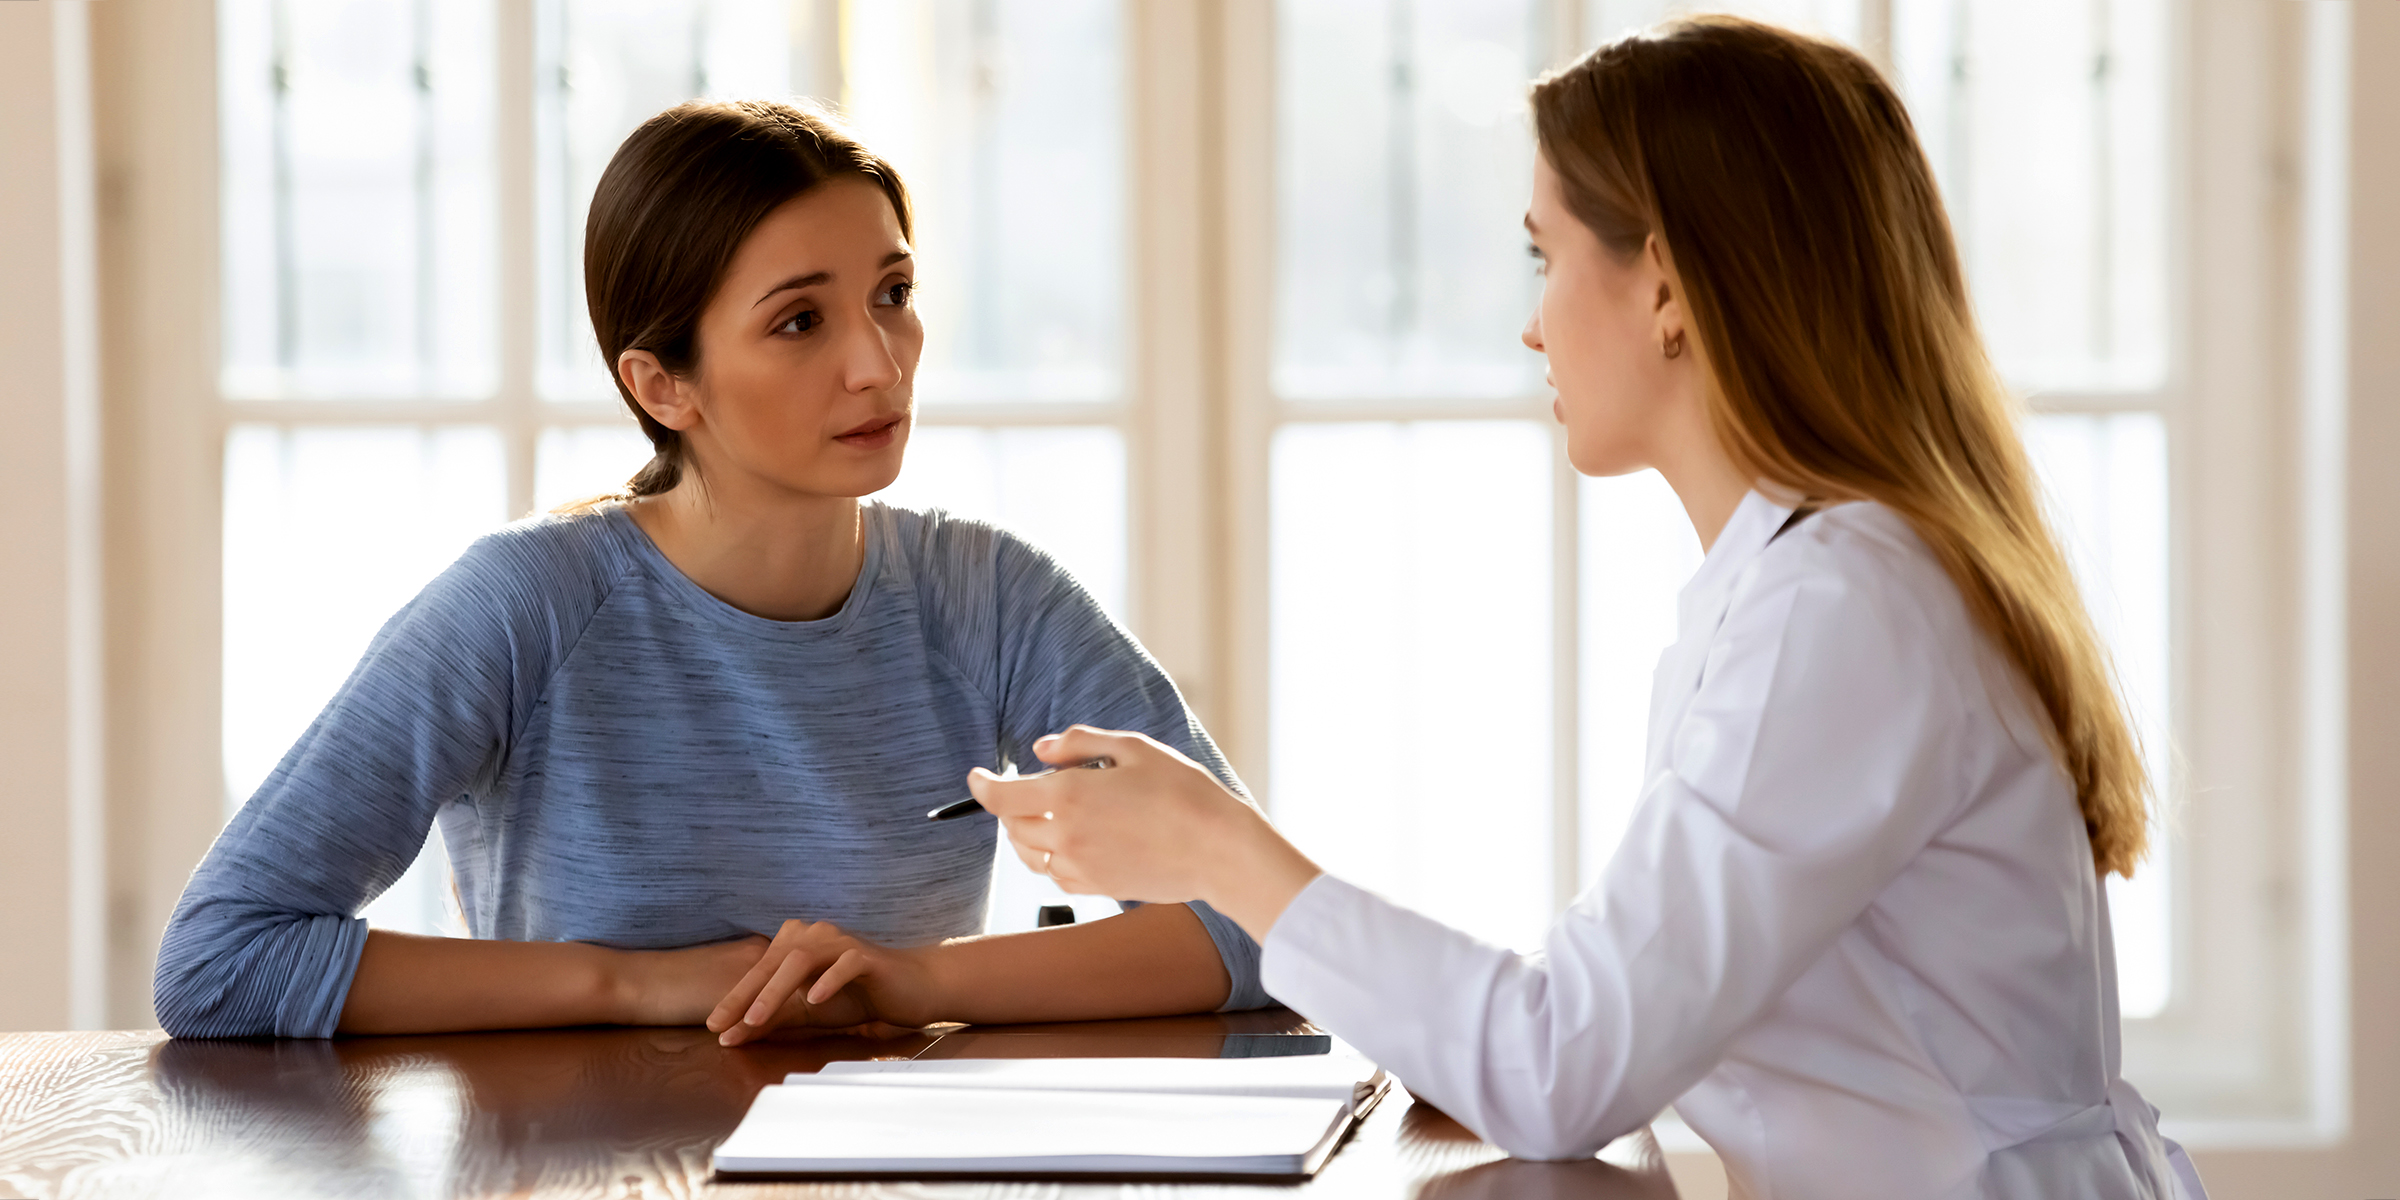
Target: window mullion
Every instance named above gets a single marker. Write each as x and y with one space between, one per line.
2102 402
1164 419
293 414
1243 78
1566 676
1468 409
519 415
1875 32
1034 414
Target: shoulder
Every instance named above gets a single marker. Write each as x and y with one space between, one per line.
1854 586
548 563
1862 553
986 595
1855 600
551 550
931 535
951 552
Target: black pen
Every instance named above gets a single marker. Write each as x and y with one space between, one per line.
971 805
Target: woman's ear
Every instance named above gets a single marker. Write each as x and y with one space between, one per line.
1667 317
667 399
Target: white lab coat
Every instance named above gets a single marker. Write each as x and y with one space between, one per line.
1853 932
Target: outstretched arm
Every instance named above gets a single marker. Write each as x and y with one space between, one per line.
411 984
1755 846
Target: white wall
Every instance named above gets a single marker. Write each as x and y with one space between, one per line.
52 951
2365 1162
155 89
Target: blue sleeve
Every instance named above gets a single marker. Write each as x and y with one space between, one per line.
265 939
1063 662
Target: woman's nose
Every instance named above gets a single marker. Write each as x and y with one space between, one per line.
1532 335
871 362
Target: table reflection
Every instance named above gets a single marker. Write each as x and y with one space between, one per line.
481 1113
1454 1164
628 1113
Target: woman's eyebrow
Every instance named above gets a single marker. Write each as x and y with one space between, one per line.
795 283
813 278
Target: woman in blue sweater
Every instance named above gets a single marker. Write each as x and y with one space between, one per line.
657 730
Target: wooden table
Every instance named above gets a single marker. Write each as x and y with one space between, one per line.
628 1114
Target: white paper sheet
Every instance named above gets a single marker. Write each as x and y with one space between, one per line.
828 1128
1317 1076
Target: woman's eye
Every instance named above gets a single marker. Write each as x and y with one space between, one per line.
897 294
801 323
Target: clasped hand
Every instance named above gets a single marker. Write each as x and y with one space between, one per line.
814 974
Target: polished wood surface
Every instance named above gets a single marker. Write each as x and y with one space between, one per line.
628 1114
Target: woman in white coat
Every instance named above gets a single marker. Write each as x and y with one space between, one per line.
1856 931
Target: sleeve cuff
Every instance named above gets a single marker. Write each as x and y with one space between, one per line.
312 1008
1240 955
1294 953
280 975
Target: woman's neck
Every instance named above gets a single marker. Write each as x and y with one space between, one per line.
769 552
1696 464
1710 491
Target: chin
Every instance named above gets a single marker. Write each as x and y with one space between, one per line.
865 475
852 480
866 485
1601 461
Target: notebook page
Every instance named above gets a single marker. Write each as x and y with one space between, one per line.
1330 1077
930 1129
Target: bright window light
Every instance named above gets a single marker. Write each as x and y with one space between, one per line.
1411 663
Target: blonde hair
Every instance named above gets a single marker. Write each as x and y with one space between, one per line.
1784 178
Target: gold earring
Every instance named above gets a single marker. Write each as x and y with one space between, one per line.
1672 347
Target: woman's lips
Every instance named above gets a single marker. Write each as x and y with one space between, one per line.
874 435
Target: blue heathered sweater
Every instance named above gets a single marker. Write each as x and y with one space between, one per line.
618 757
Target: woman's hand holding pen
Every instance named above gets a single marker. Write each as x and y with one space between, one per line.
1153 826
816 975
1156 827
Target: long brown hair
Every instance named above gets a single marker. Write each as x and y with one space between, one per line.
674 205
1785 181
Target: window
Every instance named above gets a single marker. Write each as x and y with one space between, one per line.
362 449
1412 474
348 117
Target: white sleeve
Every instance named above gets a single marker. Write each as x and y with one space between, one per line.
1816 759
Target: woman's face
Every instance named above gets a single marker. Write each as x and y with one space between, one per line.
1604 324
807 351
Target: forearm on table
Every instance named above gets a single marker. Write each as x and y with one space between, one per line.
411 984
1150 961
